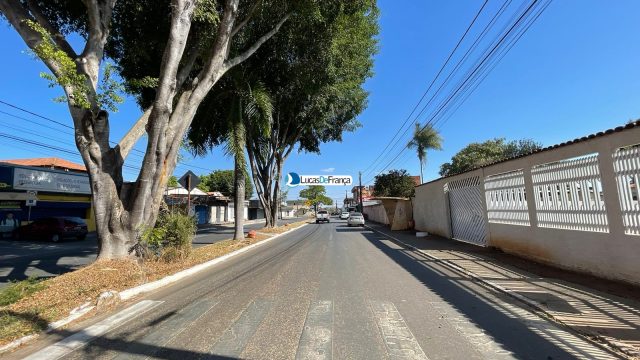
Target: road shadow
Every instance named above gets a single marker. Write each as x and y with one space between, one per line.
22 259
495 318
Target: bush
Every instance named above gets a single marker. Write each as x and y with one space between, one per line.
170 239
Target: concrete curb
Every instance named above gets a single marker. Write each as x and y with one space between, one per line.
613 346
144 288
141 289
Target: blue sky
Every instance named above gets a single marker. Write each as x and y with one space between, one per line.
575 72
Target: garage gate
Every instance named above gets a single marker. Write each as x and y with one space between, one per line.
467 209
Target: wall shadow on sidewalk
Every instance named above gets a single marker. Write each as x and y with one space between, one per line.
496 319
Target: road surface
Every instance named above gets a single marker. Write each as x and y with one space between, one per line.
24 258
324 291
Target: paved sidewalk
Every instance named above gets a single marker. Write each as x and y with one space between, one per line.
608 318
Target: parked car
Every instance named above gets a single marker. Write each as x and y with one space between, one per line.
344 215
355 218
53 229
321 216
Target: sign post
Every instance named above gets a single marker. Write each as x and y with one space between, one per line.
189 181
32 198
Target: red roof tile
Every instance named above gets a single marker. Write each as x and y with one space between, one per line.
50 162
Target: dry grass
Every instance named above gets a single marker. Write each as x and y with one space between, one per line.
63 293
285 227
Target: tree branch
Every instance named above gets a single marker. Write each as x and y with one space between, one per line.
253 48
99 22
56 36
18 16
174 50
133 135
244 22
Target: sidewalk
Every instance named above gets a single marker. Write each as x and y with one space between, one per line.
610 314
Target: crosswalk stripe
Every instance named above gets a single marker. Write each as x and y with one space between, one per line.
167 330
235 338
83 337
398 339
316 339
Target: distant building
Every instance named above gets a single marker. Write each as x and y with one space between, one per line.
32 189
52 163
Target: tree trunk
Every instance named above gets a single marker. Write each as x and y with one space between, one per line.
238 198
421 177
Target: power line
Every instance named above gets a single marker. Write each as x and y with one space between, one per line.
457 66
480 68
431 84
140 153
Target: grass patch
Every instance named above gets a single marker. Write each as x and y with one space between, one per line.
18 289
57 296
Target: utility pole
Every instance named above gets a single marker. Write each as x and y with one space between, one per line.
360 190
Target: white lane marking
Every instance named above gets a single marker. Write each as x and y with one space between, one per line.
235 338
398 339
167 330
316 339
83 337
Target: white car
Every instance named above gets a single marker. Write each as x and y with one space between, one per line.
344 215
355 218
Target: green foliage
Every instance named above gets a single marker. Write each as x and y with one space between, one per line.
222 181
173 181
424 139
316 195
68 76
109 90
18 289
170 239
396 183
476 155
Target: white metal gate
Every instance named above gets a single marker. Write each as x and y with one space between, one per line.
467 211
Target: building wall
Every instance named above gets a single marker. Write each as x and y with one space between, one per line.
609 251
376 213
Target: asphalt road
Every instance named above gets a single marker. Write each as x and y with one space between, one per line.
322 292
30 258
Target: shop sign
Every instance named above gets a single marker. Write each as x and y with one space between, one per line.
29 179
10 205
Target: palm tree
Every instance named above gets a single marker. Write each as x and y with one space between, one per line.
242 105
424 139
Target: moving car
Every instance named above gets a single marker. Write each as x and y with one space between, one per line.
53 229
355 218
322 215
344 215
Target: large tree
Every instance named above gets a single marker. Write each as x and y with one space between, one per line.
316 195
170 53
395 183
424 138
476 155
315 76
223 181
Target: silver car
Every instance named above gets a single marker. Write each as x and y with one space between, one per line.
355 218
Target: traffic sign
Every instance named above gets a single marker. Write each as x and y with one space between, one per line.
189 180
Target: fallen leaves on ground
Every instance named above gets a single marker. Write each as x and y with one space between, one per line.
63 293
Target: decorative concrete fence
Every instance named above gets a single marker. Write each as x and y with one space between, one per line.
573 205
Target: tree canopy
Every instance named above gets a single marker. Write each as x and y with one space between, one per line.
396 183
313 73
316 195
424 138
222 181
475 155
